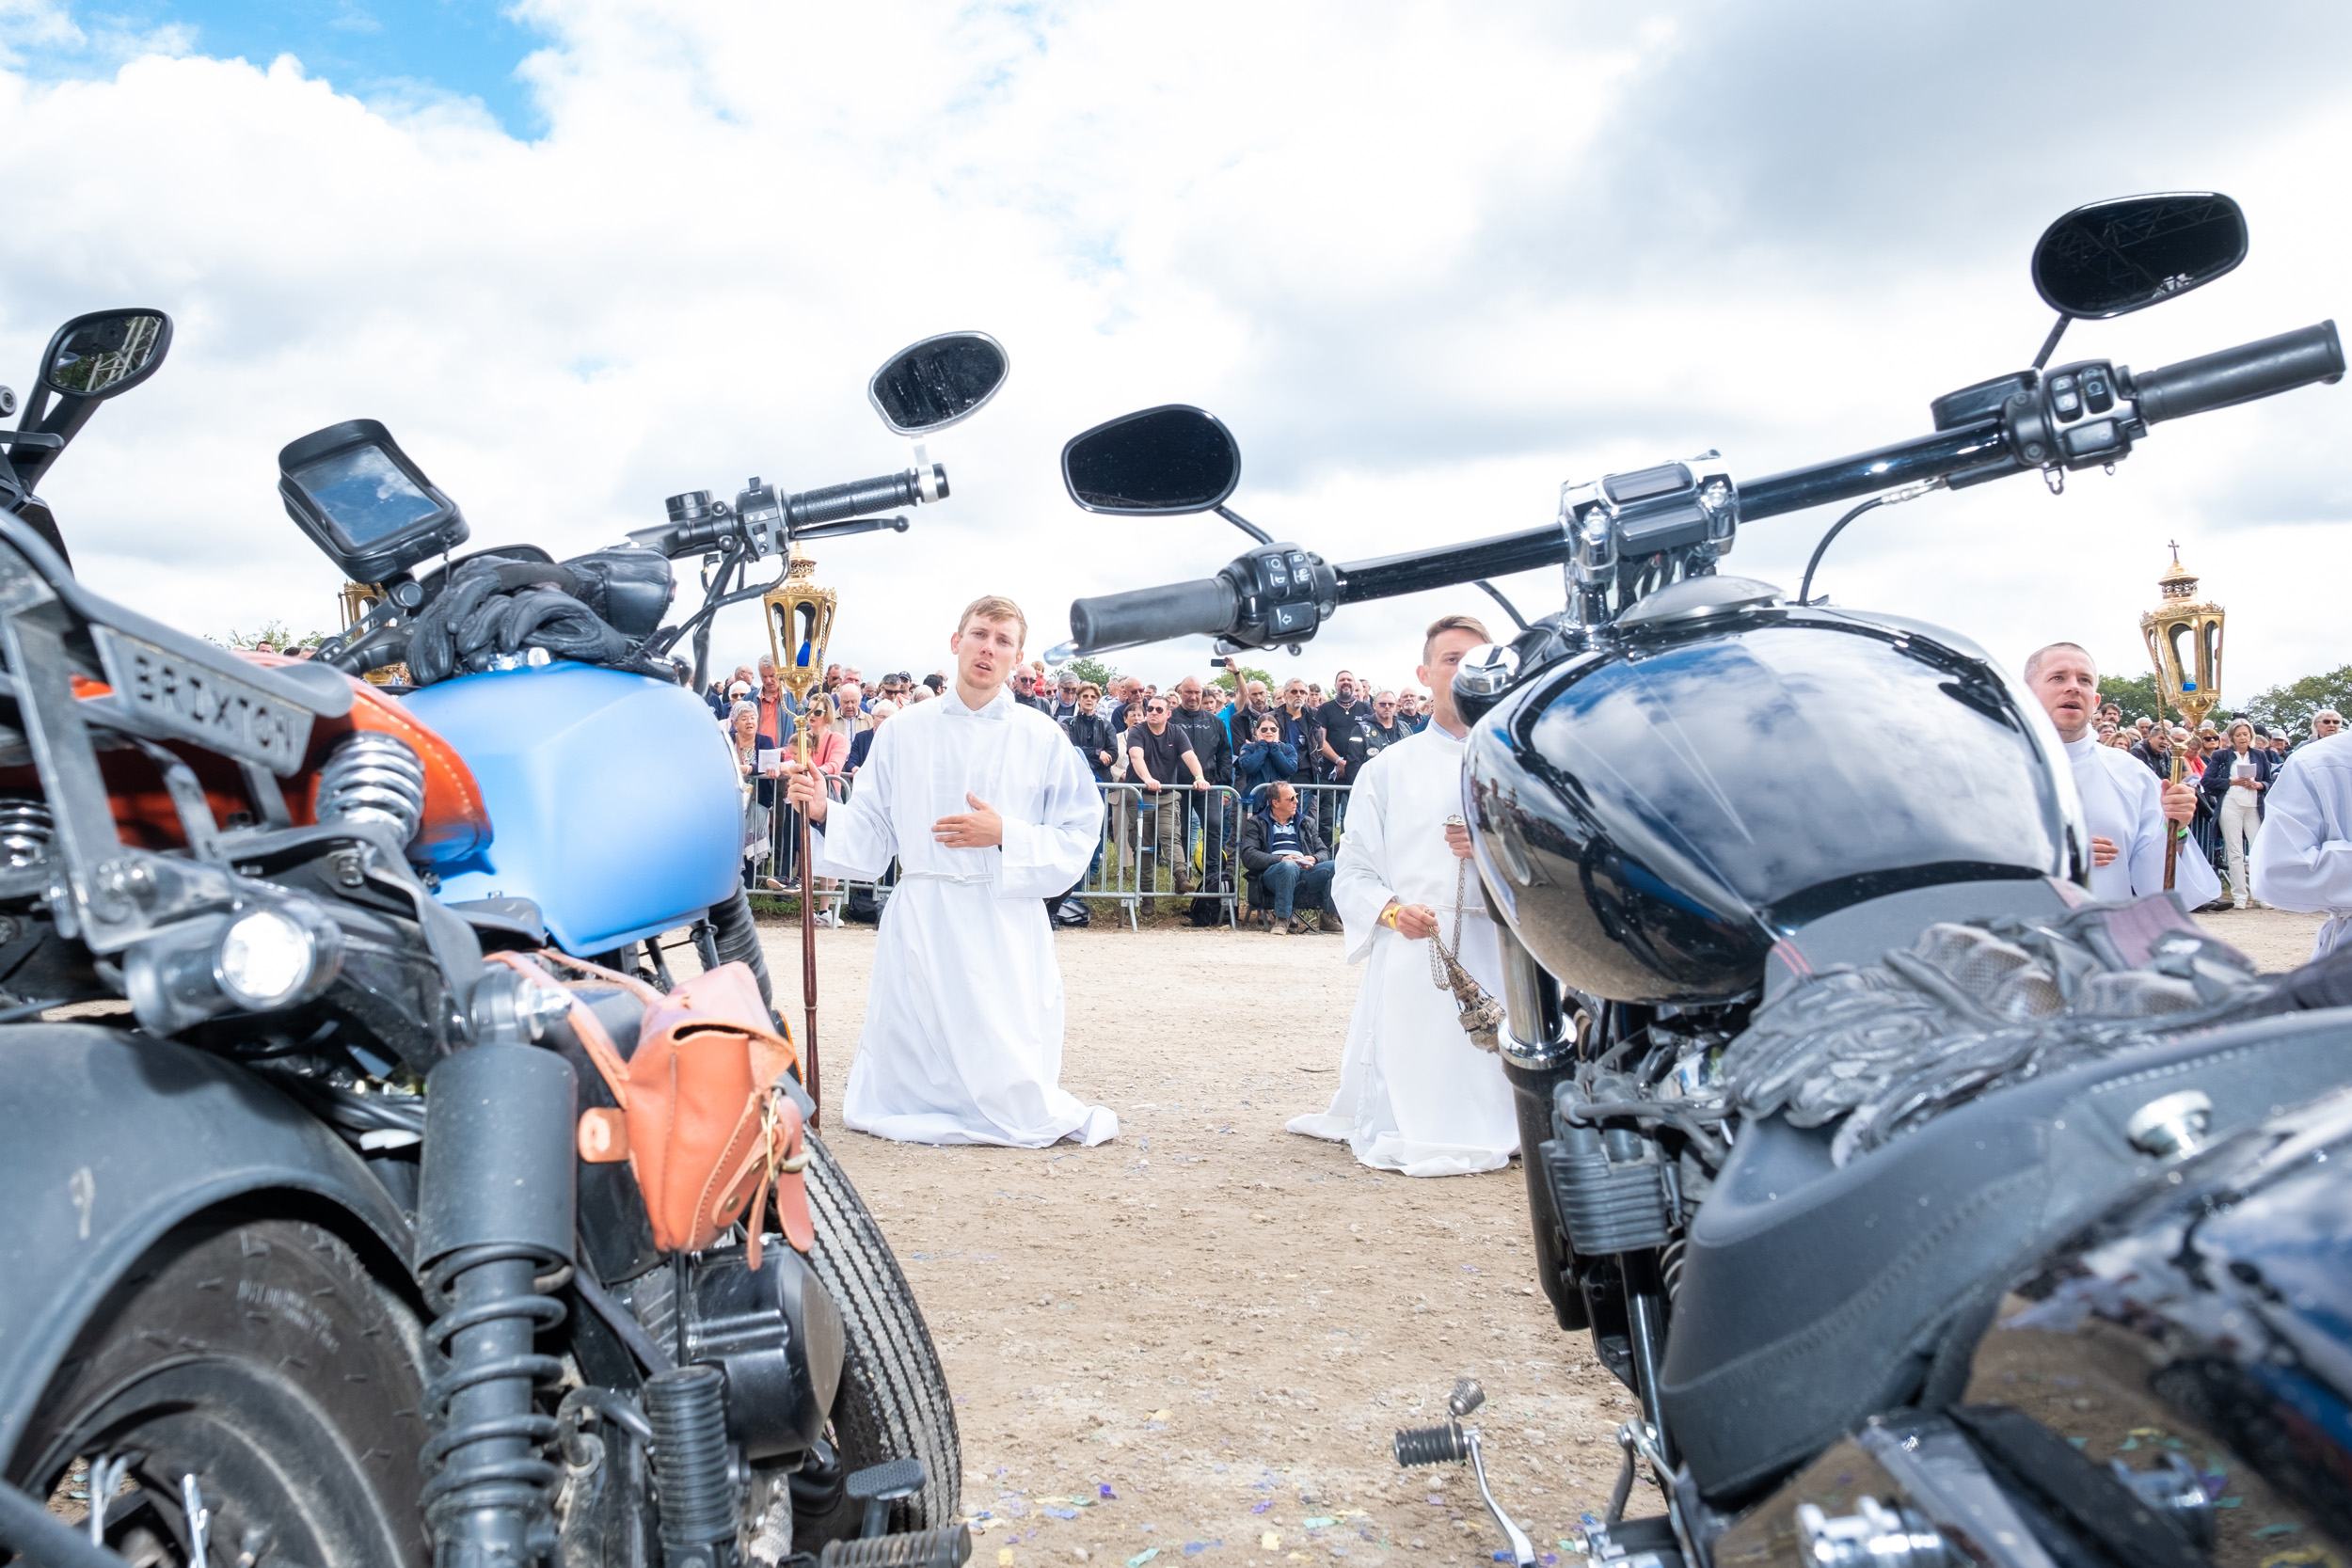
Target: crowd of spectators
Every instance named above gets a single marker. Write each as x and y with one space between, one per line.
2230 764
1170 752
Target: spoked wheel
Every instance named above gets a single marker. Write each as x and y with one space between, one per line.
894 1402
259 1360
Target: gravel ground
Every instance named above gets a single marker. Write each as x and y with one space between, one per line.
1217 1320
1194 1341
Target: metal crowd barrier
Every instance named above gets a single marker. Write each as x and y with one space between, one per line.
1127 867
782 863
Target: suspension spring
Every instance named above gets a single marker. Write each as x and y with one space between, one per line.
373 777
26 829
1669 1262
1443 1443
486 1460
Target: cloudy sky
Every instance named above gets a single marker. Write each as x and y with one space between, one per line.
1428 261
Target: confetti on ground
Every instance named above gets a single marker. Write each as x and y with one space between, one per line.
1143 1556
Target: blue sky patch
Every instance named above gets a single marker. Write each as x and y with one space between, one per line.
366 48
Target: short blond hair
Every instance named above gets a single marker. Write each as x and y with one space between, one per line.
994 607
1444 623
2033 662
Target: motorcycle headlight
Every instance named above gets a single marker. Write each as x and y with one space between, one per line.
265 959
257 959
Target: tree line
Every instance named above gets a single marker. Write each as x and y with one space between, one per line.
2287 708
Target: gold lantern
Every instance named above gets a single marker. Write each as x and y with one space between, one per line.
355 602
800 627
2184 641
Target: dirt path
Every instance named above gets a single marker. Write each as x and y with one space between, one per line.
1194 1341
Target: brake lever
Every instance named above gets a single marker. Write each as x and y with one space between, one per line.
854 525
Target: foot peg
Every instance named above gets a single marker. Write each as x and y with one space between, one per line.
922 1549
1451 1442
1443 1444
880 1485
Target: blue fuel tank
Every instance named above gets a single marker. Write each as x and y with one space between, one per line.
613 799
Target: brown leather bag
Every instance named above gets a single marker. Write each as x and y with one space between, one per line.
703 1120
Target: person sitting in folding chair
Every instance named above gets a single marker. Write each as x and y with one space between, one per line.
1289 862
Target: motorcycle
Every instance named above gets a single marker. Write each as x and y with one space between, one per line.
1901 1183
384 1198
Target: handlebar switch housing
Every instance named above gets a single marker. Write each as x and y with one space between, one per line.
1284 593
2081 415
762 517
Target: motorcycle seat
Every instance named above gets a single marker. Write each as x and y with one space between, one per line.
1812 1296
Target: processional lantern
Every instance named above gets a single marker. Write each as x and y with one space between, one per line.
2184 641
800 629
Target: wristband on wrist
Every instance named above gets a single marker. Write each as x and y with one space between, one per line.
1388 916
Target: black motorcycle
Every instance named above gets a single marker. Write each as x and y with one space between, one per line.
1921 1201
327 1241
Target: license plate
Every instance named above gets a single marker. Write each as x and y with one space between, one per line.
200 702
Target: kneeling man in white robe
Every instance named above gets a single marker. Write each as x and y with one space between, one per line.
2129 811
1416 1095
989 811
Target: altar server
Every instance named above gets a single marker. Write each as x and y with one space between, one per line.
2303 856
1415 1094
989 812
2128 810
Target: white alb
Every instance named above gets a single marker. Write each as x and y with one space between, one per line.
2123 802
2303 856
963 1022
1415 1095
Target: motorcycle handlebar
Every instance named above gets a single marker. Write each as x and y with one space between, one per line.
2240 375
1206 606
835 503
1212 606
711 527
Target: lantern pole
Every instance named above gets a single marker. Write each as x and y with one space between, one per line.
800 629
2184 638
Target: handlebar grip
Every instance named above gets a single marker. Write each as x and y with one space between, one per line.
2240 375
835 503
1206 606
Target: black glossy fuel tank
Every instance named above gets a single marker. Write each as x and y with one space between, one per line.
1655 812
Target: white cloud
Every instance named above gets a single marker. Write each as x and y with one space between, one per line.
1428 261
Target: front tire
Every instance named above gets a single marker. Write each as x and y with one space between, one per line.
262 1358
893 1403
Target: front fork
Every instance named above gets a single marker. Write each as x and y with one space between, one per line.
495 1216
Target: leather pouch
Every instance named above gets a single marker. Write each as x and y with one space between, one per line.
702 1120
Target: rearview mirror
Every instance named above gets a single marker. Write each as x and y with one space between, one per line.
105 353
932 383
1174 458
2112 258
